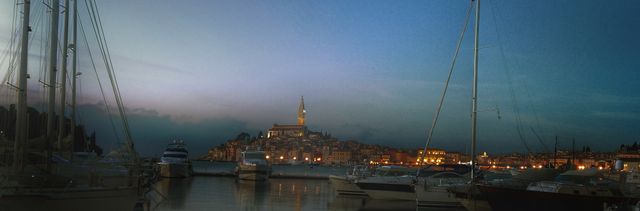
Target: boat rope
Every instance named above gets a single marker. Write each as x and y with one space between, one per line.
446 84
95 70
11 46
96 22
507 68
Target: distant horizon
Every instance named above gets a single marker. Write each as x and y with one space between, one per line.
159 144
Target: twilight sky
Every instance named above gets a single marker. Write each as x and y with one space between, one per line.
369 70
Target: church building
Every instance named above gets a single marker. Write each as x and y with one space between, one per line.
298 130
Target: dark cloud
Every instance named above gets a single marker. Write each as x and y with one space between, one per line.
151 131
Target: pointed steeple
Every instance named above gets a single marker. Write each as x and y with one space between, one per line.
301 111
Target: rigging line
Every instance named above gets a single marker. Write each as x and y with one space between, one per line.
44 60
446 84
113 126
514 101
524 83
100 33
115 80
546 149
11 40
99 41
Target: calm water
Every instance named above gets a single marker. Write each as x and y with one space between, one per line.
224 193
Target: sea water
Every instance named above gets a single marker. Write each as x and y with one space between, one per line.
226 193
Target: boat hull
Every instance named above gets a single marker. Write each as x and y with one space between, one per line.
501 198
387 191
344 186
95 199
435 197
253 173
469 196
175 170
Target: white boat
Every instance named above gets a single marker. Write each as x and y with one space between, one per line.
432 184
345 185
175 162
253 166
389 183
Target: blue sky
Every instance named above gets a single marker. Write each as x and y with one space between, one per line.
372 70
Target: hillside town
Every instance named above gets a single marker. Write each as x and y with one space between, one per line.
297 144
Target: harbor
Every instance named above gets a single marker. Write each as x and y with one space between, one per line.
289 188
305 105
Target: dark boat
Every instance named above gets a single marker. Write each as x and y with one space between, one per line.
573 190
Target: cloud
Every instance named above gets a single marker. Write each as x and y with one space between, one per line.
151 131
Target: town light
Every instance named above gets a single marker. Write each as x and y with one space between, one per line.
281 157
306 159
319 159
295 158
267 156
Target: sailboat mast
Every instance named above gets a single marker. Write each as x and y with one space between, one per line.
53 53
63 76
555 152
21 110
474 98
74 72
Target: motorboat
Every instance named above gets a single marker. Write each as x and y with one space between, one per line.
389 183
432 183
345 185
572 190
175 162
253 166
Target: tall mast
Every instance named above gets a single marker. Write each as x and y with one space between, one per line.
53 53
555 152
63 76
21 112
474 98
74 72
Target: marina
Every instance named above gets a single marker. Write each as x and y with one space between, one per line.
416 105
297 188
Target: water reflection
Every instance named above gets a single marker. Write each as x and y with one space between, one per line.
176 190
225 193
251 193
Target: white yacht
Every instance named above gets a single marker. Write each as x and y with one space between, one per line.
175 162
253 166
345 185
389 183
432 184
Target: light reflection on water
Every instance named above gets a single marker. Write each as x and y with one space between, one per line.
224 193
227 194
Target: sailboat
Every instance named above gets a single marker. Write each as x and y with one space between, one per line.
432 183
45 174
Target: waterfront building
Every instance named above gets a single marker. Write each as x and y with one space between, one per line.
433 156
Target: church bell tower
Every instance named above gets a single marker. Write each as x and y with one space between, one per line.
301 112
